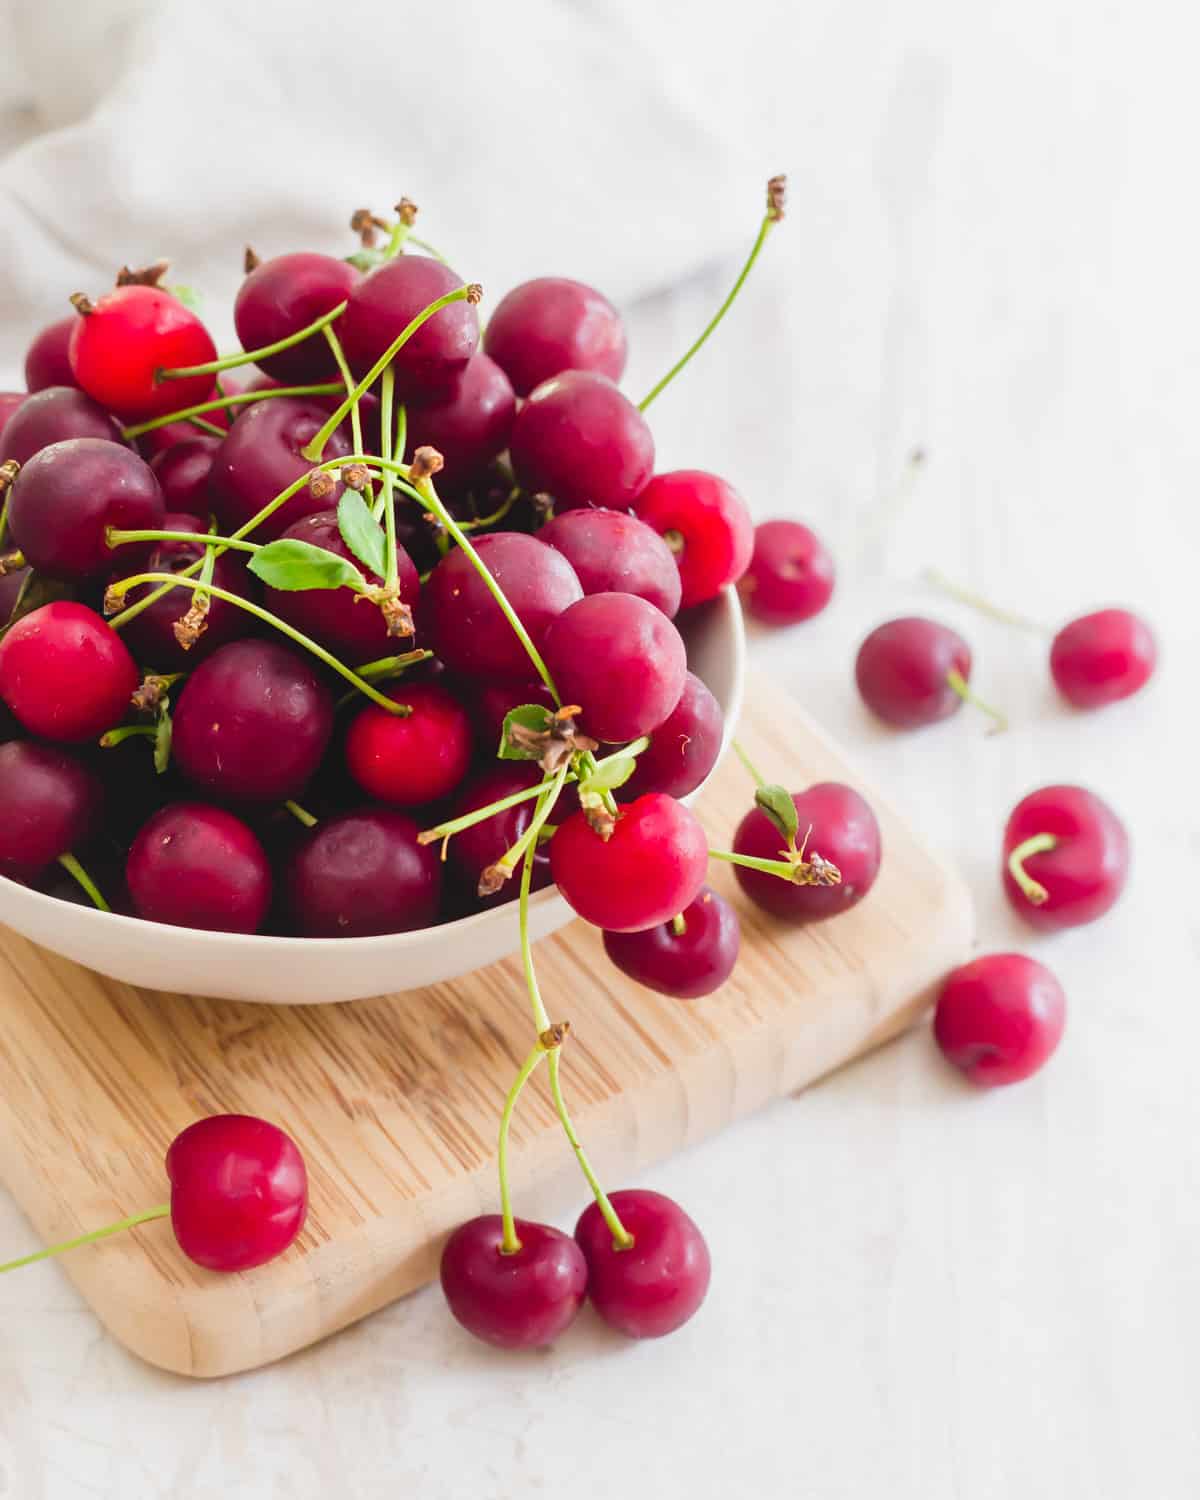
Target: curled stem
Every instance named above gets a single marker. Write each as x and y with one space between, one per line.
1033 890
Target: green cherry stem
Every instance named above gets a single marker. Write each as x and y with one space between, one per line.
387 391
983 606
498 514
132 1222
679 924
252 356
959 683
117 538
509 1243
622 1239
813 871
239 398
73 868
301 814
400 441
114 737
755 775
775 196
1033 890
335 348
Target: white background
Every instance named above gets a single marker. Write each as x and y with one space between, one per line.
920 1292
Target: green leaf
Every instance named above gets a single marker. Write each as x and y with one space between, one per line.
535 717
779 807
607 777
361 532
293 565
162 739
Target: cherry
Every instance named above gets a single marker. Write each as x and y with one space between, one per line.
683 749
193 865
521 1300
361 874
1103 657
481 845
383 304
580 440
65 498
620 659
52 416
691 955
1066 857
182 471
705 523
547 326
11 402
350 626
162 439
469 425
261 457
65 674
836 823
467 628
49 804
122 341
491 702
239 1192
651 866
658 1283
413 760
999 1018
790 577
612 552
913 671
251 723
46 360
278 298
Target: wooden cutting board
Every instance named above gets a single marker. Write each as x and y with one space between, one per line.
395 1101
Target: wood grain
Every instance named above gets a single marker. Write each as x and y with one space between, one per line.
395 1101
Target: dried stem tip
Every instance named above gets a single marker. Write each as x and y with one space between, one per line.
251 260
321 484
554 744
355 476
150 275
554 1035
474 294
776 196
150 694
82 303
191 626
399 617
492 879
367 225
11 562
406 212
9 470
426 462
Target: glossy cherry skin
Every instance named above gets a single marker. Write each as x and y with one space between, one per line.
490 702
11 402
474 849
552 324
252 723
65 674
466 626
520 1301
409 761
239 1192
790 577
361 874
52 416
707 526
651 867
684 965
683 749
132 333
68 495
903 671
844 832
279 298
469 425
621 660
999 1018
193 865
1084 874
351 627
384 303
615 553
47 361
50 803
1103 657
261 457
578 439
182 471
656 1285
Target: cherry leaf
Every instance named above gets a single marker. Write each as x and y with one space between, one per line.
608 776
162 740
535 719
292 565
777 804
361 532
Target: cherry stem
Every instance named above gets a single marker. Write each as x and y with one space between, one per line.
132 1222
813 871
392 666
210 428
301 814
959 683
527 843
252 356
498 514
1033 890
428 248
622 1239
114 737
679 924
335 347
73 868
755 775
400 442
983 606
239 398
387 390
770 219
117 538
509 1243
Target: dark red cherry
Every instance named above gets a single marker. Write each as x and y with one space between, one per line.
521 1300
283 295
65 674
691 955
161 439
1066 857
547 326
412 760
52 416
11 402
239 1192
469 425
50 803
1103 657
193 865
475 849
361 874
46 361
119 346
384 303
182 472
999 1018
906 669
707 526
656 1285
578 439
615 553
683 749
790 577
490 702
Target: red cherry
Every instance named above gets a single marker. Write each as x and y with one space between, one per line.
836 823
790 577
52 416
690 956
1066 857
999 1018
476 848
705 523
1103 657
656 1285
47 361
49 804
907 668
384 303
683 749
10 403
522 1300
362 874
614 553
182 472
65 674
468 426
239 1192
580 440
128 336
410 761
544 327
281 296
652 866
193 865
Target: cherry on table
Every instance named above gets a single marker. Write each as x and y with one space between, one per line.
124 339
790 577
469 425
658 1283
193 865
383 304
50 803
47 360
913 671
691 955
999 1018
580 440
52 416
408 761
1066 857
683 749
65 674
519 1300
1103 657
615 553
363 873
281 296
552 324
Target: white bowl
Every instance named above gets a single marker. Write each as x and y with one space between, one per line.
313 971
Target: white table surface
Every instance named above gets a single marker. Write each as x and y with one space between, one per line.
919 1291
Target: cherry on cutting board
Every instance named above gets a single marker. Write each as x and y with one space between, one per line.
521 1299
913 671
999 1018
691 955
653 1286
1066 857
